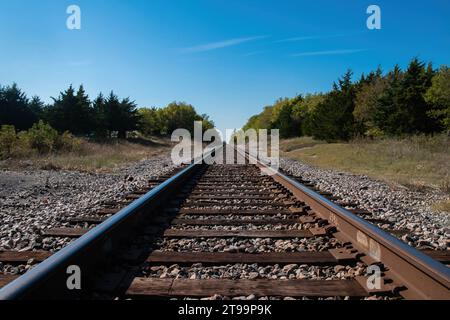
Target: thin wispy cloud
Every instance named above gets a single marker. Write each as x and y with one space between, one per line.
327 53
304 38
221 44
315 37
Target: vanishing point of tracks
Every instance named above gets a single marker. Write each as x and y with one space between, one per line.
227 231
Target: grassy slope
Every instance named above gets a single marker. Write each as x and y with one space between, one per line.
416 162
95 156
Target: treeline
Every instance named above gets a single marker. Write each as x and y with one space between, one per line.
163 121
103 117
416 100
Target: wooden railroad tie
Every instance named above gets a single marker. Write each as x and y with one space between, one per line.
7 278
148 287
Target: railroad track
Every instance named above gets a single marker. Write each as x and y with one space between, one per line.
228 231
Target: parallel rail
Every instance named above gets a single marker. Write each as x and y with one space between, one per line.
409 272
48 279
423 277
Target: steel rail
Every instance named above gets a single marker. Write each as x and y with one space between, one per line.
424 277
48 280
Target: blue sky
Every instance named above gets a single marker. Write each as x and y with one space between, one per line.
229 58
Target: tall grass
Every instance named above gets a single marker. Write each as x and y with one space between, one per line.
88 156
416 161
288 145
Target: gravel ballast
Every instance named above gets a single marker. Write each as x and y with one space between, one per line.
33 200
405 209
37 199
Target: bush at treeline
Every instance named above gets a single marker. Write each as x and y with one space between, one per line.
41 138
74 112
416 100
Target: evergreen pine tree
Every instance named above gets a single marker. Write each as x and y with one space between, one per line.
14 108
120 116
71 112
83 113
389 112
99 115
333 118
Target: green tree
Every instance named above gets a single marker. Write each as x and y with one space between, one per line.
252 122
261 121
120 115
367 104
402 108
42 137
302 113
72 112
389 111
413 107
99 111
207 123
179 115
150 122
333 117
15 109
8 139
282 117
37 107
84 116
438 96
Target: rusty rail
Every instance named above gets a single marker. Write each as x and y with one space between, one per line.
409 272
421 276
48 278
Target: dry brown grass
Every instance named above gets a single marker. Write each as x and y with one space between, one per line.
292 144
442 206
417 162
95 156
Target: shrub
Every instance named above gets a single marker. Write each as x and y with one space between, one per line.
42 137
67 142
23 148
8 140
374 132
